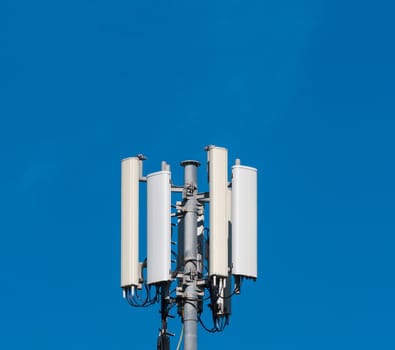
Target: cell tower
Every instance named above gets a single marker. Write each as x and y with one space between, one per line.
188 262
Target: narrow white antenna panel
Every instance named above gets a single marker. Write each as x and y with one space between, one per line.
158 227
229 285
244 221
218 183
130 174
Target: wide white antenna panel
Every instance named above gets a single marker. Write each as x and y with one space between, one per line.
158 227
244 221
130 174
218 183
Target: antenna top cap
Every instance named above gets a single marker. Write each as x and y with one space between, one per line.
209 147
190 162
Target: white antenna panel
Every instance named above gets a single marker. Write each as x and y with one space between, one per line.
158 227
218 183
130 175
244 221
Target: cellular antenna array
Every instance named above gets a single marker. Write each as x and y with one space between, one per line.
187 262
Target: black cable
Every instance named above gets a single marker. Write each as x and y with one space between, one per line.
133 299
187 302
213 330
135 302
221 323
229 296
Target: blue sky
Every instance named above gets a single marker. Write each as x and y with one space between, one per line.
302 90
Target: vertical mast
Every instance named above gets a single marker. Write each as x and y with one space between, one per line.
190 254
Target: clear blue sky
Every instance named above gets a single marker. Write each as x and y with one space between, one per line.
302 90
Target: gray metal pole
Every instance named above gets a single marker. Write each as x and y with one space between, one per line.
190 254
